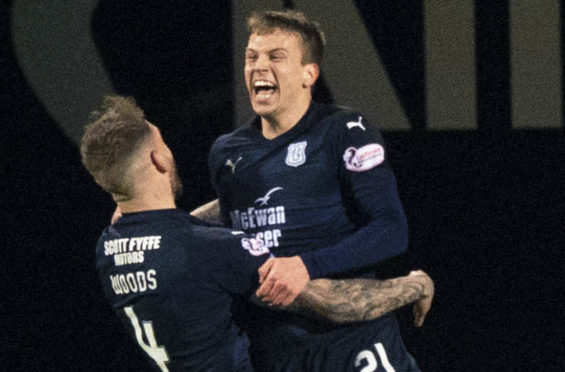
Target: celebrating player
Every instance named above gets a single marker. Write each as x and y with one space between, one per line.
171 279
311 181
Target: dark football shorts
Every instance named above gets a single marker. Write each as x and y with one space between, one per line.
374 346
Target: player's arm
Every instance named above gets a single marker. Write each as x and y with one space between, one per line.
383 233
356 300
209 212
370 185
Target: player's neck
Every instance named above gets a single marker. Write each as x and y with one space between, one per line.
149 198
277 124
143 206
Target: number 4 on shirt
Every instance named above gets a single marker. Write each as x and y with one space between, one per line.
157 353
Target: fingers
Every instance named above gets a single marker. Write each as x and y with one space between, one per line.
281 295
282 279
419 316
420 310
265 269
275 293
422 306
265 288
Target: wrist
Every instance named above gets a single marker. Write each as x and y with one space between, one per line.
300 263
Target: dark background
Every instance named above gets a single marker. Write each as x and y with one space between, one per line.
485 207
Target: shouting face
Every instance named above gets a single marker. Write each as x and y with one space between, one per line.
279 85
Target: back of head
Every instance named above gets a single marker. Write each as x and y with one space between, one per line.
111 141
313 39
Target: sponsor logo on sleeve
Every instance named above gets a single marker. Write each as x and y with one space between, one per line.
363 158
254 246
296 154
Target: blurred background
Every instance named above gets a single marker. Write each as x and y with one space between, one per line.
468 94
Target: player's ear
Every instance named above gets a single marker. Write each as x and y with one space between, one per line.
159 161
310 74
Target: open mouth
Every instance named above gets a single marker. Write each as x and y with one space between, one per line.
264 89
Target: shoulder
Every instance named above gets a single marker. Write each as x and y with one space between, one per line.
228 143
235 137
330 112
339 124
337 118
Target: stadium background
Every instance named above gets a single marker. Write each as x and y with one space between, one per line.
482 180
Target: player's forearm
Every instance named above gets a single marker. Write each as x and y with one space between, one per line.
354 300
379 240
209 212
384 236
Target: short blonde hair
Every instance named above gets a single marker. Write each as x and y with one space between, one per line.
111 141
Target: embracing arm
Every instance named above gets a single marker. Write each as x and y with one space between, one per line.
209 212
356 300
385 236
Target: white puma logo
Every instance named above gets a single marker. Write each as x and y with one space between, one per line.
357 123
232 165
267 196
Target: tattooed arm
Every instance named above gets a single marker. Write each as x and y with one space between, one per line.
356 300
209 212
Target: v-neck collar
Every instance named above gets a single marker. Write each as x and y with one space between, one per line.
304 123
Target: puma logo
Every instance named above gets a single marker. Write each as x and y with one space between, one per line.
231 164
353 124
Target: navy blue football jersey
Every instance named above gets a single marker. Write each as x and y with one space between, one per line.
171 280
324 183
323 190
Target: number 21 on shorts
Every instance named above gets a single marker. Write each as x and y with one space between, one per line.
368 359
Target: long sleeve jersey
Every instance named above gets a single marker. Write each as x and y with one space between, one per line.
323 190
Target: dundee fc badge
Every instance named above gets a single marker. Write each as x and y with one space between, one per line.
296 154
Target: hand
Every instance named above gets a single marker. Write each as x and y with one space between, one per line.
116 216
422 306
282 279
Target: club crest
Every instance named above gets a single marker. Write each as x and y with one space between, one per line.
296 154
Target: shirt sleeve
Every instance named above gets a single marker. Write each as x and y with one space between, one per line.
370 194
214 167
238 257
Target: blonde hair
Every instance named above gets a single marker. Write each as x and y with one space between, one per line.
110 142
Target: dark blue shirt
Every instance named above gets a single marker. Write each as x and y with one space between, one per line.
323 190
171 281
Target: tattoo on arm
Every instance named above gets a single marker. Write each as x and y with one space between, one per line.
209 212
354 300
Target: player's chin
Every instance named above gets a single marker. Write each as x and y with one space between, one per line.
262 108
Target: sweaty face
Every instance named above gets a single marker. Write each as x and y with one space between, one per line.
274 73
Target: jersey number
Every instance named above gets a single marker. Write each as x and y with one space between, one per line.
371 359
157 353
